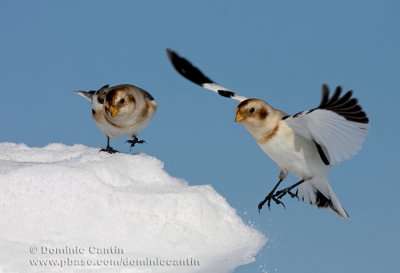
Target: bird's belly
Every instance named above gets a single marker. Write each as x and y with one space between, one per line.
116 131
295 155
130 127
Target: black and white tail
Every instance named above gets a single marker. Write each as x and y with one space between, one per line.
318 192
193 74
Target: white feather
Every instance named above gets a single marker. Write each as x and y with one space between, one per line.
215 88
84 94
339 137
308 190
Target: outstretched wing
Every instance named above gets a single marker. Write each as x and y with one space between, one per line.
338 125
193 74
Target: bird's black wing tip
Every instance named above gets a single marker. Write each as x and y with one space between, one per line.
344 105
171 54
186 69
226 93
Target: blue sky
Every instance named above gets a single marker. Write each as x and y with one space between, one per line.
279 51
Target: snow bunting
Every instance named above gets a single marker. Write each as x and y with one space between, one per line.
122 110
306 144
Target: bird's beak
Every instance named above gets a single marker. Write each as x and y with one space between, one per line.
114 111
239 117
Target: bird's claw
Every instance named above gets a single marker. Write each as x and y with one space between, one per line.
293 195
134 141
268 199
109 150
277 201
276 196
282 193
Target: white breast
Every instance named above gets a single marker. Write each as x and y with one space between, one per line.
294 153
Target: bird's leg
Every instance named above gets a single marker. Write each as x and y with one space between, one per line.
108 149
135 140
281 193
271 196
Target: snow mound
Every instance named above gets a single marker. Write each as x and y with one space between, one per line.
73 209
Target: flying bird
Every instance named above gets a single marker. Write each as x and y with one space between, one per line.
306 144
121 110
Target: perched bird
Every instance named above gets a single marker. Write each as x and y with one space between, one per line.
306 144
121 110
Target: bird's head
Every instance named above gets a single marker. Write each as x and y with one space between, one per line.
252 112
119 101
258 117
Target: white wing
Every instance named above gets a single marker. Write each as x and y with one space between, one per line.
193 74
338 125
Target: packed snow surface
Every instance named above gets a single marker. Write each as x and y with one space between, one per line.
73 209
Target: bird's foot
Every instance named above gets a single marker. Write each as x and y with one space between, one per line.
135 140
109 150
268 198
282 193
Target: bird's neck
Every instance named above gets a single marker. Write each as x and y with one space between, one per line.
264 131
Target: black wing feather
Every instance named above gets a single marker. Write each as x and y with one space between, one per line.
186 69
346 106
335 96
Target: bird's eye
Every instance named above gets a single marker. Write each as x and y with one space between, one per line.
122 101
100 100
252 110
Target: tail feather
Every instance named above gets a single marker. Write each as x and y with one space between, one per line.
86 95
319 193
